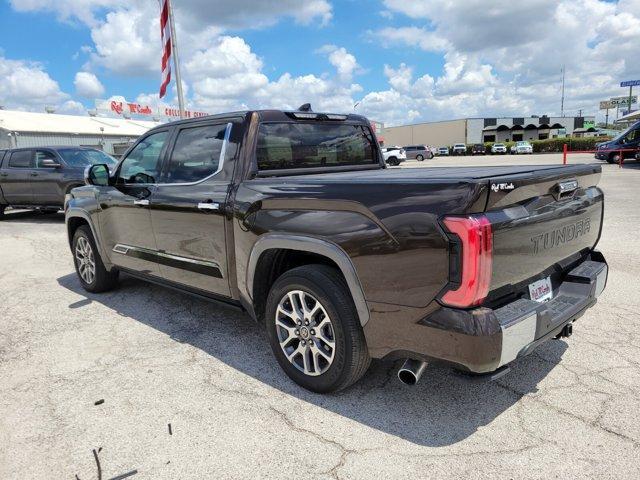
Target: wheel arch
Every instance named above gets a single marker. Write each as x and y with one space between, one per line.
273 254
75 218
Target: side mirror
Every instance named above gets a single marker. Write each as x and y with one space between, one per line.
97 175
49 163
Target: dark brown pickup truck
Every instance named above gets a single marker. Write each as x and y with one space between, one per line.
293 217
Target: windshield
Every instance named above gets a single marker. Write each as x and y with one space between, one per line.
459 145
522 144
628 130
314 145
81 157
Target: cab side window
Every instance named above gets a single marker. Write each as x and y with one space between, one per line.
21 159
43 155
143 163
197 153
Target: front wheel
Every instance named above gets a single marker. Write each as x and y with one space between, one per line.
419 158
93 275
613 158
314 329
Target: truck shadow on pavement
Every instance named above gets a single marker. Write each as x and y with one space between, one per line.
443 409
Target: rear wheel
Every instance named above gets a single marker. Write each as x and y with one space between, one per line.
93 275
393 161
314 329
613 158
419 158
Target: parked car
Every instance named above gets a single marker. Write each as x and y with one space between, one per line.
341 259
39 178
418 152
478 149
459 149
499 148
521 147
394 155
626 144
443 151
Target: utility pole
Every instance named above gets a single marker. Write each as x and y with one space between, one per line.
630 98
562 99
580 112
176 61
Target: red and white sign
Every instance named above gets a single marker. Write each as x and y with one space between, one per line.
121 107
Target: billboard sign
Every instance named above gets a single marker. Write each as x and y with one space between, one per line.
619 101
606 105
630 83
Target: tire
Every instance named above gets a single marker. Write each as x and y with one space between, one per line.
84 246
2 209
349 355
613 158
393 161
420 158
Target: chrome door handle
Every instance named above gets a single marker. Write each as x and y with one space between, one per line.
208 206
141 203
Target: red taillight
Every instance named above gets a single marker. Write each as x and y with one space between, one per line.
476 259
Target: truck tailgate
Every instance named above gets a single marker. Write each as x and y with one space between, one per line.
544 222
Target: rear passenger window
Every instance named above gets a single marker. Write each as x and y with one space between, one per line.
197 153
21 159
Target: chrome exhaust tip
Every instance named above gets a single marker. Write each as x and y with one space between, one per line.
411 371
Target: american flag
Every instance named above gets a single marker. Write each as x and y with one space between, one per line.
165 30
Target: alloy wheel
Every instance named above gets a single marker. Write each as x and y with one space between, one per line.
85 260
305 332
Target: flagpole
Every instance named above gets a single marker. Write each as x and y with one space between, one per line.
176 61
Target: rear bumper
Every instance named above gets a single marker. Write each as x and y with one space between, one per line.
483 340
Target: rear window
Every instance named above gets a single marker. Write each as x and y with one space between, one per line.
80 157
284 146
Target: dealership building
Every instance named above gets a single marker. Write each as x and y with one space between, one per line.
28 129
480 130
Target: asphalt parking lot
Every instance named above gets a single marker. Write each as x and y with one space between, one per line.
160 358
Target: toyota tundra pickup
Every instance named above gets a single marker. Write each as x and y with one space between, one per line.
293 217
39 178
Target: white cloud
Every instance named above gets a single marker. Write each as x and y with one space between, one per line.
507 60
88 86
228 75
344 62
26 85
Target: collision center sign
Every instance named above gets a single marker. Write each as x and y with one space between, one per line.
131 108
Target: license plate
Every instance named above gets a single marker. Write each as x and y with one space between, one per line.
540 290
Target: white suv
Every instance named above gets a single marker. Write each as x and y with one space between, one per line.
522 147
499 148
394 155
459 149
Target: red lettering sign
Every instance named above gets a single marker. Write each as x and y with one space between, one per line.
116 107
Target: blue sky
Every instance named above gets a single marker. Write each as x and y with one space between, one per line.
404 61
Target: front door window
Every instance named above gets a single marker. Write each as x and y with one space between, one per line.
142 165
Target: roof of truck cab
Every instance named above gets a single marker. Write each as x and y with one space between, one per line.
265 115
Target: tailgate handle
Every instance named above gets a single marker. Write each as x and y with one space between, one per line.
566 189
